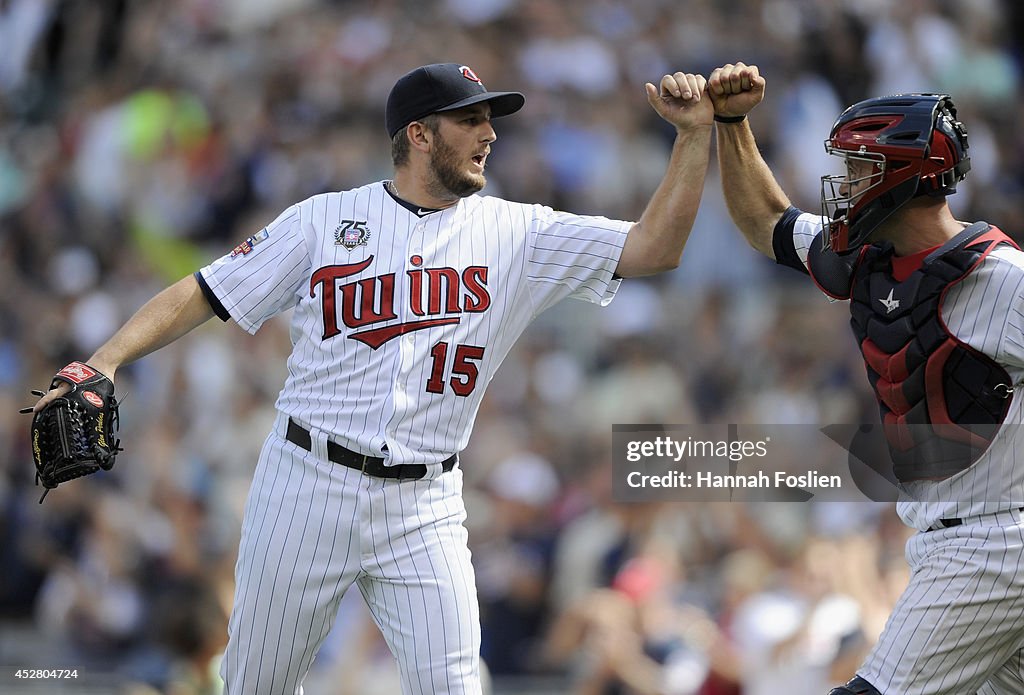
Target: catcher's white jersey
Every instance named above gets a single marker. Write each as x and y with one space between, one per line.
986 311
401 319
957 627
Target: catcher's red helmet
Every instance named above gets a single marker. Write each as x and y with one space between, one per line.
907 145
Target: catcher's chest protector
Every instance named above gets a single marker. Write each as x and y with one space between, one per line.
941 401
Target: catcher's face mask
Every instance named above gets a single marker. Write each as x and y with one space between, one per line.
840 193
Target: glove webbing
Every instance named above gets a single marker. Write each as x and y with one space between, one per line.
67 426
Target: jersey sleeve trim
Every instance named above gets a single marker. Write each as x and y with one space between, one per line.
214 284
215 303
782 240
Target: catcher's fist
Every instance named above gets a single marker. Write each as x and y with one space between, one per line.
73 426
735 89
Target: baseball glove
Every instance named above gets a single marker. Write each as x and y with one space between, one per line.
73 435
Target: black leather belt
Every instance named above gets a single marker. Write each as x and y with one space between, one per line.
950 523
945 523
370 465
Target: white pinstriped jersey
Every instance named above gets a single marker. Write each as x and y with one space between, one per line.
400 320
986 311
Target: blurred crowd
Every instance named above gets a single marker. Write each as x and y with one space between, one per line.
143 138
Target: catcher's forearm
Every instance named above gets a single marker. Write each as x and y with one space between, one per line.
655 243
753 196
162 320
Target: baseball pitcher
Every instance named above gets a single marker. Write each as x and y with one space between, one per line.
406 296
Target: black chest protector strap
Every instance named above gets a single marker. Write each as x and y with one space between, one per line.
833 273
941 401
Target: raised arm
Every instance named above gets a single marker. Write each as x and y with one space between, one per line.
162 320
753 196
655 243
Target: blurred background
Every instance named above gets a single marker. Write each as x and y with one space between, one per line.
140 139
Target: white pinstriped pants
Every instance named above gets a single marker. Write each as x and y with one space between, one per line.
958 628
311 528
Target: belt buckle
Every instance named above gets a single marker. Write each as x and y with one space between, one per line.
362 468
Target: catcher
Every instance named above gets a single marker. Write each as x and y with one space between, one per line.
73 432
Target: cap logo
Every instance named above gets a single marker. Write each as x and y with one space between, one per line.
468 73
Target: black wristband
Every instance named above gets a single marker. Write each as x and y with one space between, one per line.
730 119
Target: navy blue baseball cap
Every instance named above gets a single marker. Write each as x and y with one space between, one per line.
442 87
